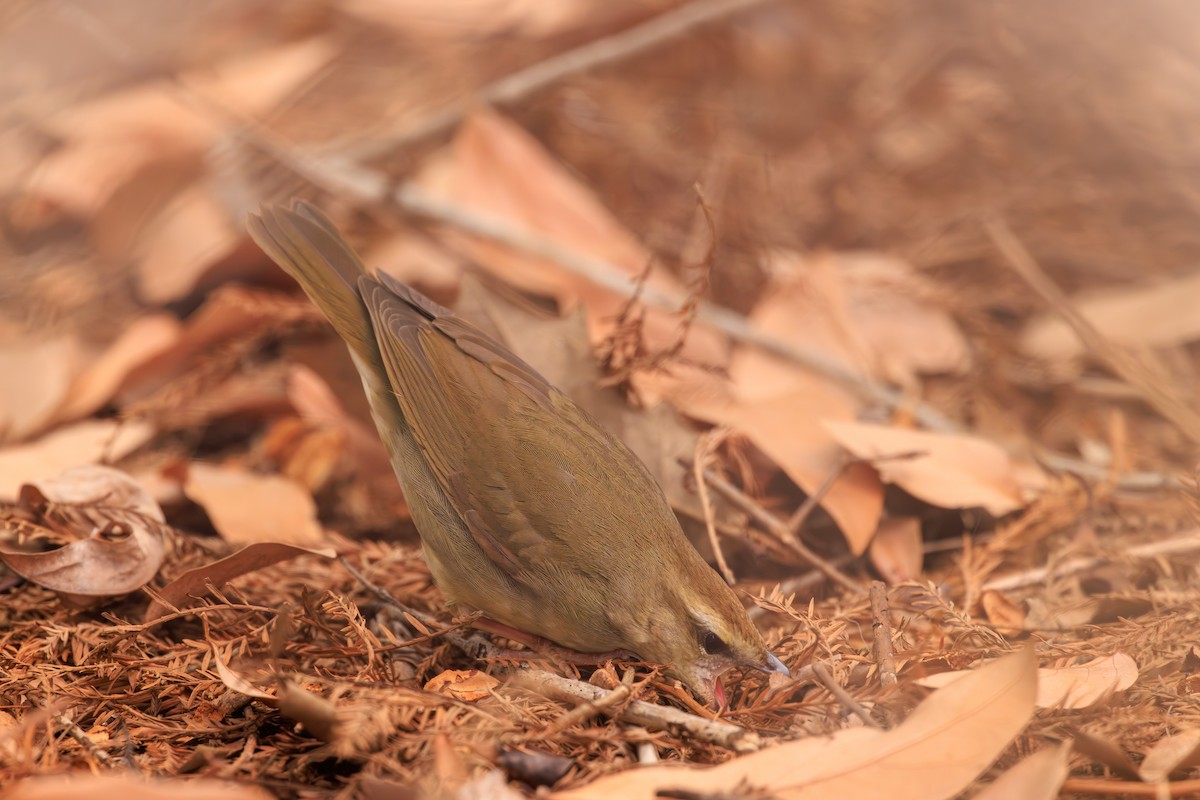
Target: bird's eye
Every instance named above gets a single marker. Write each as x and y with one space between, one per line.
713 645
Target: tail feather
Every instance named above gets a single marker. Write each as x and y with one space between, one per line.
306 245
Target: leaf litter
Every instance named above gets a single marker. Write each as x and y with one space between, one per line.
186 619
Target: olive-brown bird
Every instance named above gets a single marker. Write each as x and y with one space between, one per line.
528 511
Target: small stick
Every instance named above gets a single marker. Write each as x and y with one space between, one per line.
589 709
1187 543
1134 371
881 628
1130 788
777 528
639 712
704 448
822 674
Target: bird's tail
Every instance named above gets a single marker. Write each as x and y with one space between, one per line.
307 246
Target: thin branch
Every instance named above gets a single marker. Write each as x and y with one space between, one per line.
638 712
778 529
1188 543
620 46
1152 388
881 635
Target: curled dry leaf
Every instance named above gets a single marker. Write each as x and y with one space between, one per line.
1038 777
467 685
119 527
1077 686
247 507
961 728
249 559
946 470
129 787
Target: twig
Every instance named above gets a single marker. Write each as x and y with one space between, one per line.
800 516
777 529
511 88
705 445
825 677
639 712
1187 543
1130 788
881 635
86 742
1120 360
589 709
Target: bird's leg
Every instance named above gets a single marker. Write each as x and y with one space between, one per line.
547 648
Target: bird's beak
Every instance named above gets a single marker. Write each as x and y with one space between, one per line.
773 665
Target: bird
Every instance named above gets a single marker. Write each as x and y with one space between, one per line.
528 511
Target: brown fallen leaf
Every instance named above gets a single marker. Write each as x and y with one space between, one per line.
1037 777
118 786
112 527
142 340
1158 315
896 549
82 443
787 429
947 470
250 558
1007 616
246 507
467 685
109 140
1077 686
949 740
496 168
1171 754
35 378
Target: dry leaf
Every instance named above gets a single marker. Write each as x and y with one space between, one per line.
1077 686
108 141
129 787
83 443
948 470
246 507
1161 315
496 168
1170 754
177 247
142 340
1038 777
1085 684
896 549
35 378
317 714
119 529
234 681
467 685
1007 616
786 428
250 558
948 740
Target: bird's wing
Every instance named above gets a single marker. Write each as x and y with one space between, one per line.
506 447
